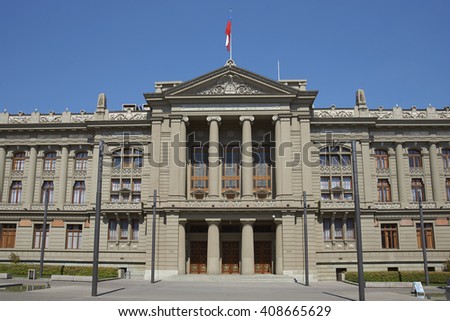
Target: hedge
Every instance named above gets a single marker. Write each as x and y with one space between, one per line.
400 276
21 270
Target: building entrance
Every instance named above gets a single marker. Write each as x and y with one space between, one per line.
230 257
263 257
198 255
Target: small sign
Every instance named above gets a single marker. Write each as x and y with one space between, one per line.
418 288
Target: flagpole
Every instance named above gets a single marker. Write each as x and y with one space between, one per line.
231 39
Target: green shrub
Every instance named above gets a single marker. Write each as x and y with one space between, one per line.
14 258
437 278
21 270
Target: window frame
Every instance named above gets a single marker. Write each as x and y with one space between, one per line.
389 236
18 162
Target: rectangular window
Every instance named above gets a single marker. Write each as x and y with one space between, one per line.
338 229
7 236
50 161
325 183
262 169
350 229
81 160
38 234
382 159
74 236
447 188
19 161
124 229
79 192
335 182
347 182
199 168
446 158
47 188
230 168
115 185
415 158
327 229
389 236
112 229
384 190
429 235
135 231
15 193
417 189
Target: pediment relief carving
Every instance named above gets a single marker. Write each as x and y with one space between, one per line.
230 84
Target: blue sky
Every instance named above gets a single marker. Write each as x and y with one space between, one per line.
61 54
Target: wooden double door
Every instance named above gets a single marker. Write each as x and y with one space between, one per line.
230 257
263 257
198 256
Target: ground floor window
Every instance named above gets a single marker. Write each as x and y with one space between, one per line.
38 236
7 235
389 236
338 228
74 236
123 229
429 235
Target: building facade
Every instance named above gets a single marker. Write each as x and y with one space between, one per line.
229 154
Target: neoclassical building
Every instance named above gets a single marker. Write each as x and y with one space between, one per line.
230 154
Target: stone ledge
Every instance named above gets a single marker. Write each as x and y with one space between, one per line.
71 278
5 276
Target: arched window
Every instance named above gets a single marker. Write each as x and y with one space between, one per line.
127 157
18 161
382 158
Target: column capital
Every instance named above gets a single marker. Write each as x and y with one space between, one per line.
242 119
215 221
186 119
250 221
218 119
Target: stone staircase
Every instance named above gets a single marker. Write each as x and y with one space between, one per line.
233 278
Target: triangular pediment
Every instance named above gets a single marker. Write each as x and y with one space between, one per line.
229 81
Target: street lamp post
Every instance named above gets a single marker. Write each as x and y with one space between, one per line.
359 254
424 243
44 231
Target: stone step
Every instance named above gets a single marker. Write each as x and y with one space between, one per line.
269 278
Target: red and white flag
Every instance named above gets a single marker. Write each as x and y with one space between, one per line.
228 34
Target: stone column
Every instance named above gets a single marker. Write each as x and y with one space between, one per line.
435 177
247 157
283 156
401 177
248 247
2 170
213 249
279 247
177 151
213 156
278 169
31 181
182 246
62 190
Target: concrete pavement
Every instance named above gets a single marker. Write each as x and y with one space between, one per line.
209 288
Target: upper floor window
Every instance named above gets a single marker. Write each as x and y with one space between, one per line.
50 161
336 188
335 156
126 190
15 193
47 187
79 192
384 190
128 157
447 188
415 158
382 158
231 168
81 160
199 168
417 190
18 161
261 168
446 157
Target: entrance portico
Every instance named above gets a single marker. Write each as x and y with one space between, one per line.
244 246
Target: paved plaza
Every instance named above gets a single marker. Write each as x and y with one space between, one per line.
209 288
